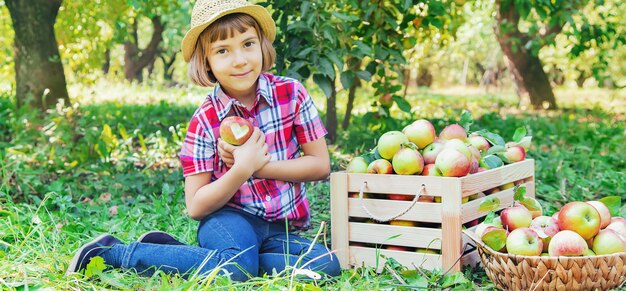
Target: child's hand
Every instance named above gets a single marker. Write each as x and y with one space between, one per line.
253 154
225 151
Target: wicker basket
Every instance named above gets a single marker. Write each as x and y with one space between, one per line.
513 272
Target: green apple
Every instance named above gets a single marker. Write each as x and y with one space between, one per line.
357 165
407 161
607 242
524 241
390 143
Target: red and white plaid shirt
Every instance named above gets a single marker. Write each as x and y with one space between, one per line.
285 113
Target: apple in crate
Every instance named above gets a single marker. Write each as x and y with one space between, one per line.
357 165
546 225
452 163
580 217
618 224
567 243
407 161
458 145
479 142
403 223
431 170
453 131
515 154
605 214
524 241
390 143
400 197
607 242
235 130
380 166
516 217
420 132
431 152
397 248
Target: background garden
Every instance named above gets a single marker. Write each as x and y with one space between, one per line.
94 103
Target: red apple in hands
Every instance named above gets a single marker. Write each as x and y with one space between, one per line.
567 243
524 241
420 132
516 217
452 163
407 161
605 214
235 130
545 225
380 166
618 224
580 217
607 242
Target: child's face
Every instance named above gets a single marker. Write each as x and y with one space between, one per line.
236 63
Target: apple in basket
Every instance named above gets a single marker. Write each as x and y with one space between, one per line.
580 217
235 130
548 226
567 243
608 241
524 241
516 217
618 224
605 214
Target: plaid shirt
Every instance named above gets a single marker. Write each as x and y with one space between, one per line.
285 113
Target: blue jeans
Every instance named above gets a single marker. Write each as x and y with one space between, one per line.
241 244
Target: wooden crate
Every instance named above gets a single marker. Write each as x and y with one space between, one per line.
439 224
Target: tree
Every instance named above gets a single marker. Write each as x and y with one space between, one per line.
39 77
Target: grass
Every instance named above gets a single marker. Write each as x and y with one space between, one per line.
109 165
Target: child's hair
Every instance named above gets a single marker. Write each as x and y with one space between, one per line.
223 28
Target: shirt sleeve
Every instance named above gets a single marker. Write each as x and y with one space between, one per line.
198 151
308 124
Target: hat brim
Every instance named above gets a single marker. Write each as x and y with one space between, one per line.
259 13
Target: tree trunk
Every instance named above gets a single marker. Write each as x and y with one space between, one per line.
354 64
168 67
331 114
107 61
39 75
525 67
136 59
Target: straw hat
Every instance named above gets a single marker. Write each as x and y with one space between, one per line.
206 12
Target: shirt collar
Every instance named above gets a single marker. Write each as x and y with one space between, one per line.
225 102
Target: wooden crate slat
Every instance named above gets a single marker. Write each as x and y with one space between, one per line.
470 209
367 256
421 211
399 184
339 227
418 237
451 227
495 177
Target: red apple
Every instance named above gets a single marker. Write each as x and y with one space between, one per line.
390 143
605 214
357 165
235 130
407 161
453 131
545 225
515 154
607 242
431 151
420 132
515 217
452 163
556 216
567 243
460 146
426 198
524 241
532 205
400 197
580 217
431 170
398 248
479 142
380 166
474 168
386 100
618 224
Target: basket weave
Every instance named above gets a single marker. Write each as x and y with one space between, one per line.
514 272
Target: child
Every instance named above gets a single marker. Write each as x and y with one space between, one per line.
244 196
